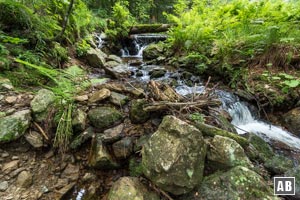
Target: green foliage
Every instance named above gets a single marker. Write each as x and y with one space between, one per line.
285 82
197 117
135 168
64 129
82 47
232 33
65 84
120 22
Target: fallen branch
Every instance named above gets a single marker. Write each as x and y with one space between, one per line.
212 131
164 105
41 130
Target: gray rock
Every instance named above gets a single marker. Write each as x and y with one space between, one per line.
5 84
226 153
42 100
100 158
103 117
130 188
41 104
237 183
114 58
153 51
137 114
118 99
81 138
157 73
262 150
3 186
95 58
99 95
111 64
71 172
278 164
14 126
79 120
173 158
117 71
24 179
292 120
123 148
112 134
35 139
295 172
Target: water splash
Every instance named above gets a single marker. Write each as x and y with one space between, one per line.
244 121
138 43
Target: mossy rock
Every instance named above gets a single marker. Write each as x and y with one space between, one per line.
225 153
127 188
263 150
41 104
237 183
278 164
104 117
137 114
14 126
173 158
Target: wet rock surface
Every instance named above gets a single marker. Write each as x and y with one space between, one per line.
237 183
14 126
226 153
103 117
131 188
173 158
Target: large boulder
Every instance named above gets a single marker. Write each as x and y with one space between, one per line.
295 172
259 149
103 117
173 158
237 183
292 120
14 126
95 58
41 104
136 113
117 70
226 153
278 164
131 188
153 51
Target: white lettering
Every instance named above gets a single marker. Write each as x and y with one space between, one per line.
288 186
280 186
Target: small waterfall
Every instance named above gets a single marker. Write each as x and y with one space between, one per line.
244 121
134 46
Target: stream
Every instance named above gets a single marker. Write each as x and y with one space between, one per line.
242 118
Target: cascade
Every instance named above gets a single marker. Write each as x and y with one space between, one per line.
135 44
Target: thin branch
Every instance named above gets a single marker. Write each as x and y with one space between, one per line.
41 130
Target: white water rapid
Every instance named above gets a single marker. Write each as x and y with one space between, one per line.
244 121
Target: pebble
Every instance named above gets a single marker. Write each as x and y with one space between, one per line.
11 99
15 158
82 98
10 165
3 186
4 155
24 179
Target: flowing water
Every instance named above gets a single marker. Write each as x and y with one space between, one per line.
242 118
138 42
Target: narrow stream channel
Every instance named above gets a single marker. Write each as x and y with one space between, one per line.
242 118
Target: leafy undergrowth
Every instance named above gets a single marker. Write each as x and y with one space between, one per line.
234 39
